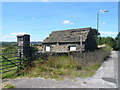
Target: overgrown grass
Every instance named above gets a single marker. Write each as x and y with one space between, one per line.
91 58
10 86
74 65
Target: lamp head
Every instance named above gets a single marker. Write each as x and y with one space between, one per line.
103 11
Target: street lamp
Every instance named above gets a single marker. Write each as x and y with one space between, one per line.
98 20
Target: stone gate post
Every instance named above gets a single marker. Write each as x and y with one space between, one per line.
23 42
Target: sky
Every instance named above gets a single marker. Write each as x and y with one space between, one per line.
39 19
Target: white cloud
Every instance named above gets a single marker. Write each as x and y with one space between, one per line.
45 1
104 23
33 18
8 38
67 22
11 37
109 33
19 33
71 23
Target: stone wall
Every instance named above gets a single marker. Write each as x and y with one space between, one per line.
46 55
23 42
90 43
63 47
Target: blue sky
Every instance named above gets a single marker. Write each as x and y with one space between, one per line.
39 19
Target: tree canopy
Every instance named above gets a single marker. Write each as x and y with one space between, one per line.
112 42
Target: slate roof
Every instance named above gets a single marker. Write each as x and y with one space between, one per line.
71 35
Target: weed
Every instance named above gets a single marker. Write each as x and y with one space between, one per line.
84 83
10 86
57 67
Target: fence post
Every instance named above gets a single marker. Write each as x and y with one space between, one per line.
20 58
23 42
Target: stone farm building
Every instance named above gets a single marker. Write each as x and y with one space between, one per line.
82 39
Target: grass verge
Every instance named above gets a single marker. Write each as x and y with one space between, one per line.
81 65
74 65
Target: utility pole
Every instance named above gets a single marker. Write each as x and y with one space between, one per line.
80 42
98 22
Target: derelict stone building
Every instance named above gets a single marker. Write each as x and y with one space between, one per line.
82 39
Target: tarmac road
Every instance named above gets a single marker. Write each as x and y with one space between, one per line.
104 78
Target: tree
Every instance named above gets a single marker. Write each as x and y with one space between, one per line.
102 40
96 33
111 42
108 41
117 39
